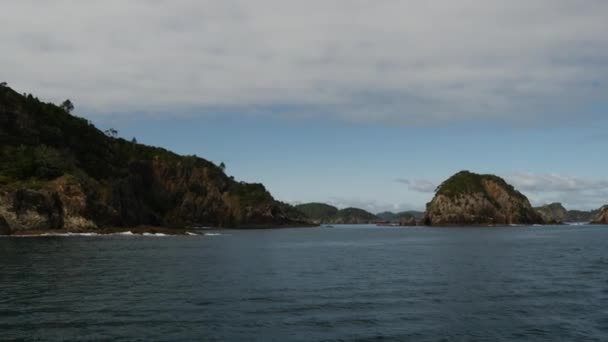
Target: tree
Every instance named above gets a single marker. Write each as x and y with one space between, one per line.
223 166
67 106
3 84
134 141
112 133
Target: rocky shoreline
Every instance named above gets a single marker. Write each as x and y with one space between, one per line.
138 230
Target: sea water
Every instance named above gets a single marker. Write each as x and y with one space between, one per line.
310 284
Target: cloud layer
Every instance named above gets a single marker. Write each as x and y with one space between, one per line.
573 192
381 60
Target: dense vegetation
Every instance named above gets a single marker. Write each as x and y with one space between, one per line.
42 141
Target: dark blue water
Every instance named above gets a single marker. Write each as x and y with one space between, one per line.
348 283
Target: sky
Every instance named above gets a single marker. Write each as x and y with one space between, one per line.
352 102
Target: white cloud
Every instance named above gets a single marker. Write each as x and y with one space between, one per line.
573 192
555 183
381 60
418 185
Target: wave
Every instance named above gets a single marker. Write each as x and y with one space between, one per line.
53 235
213 234
127 233
153 234
576 223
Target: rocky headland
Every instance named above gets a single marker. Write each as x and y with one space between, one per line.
58 172
601 217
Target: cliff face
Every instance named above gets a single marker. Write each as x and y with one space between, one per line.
58 172
553 213
471 199
602 216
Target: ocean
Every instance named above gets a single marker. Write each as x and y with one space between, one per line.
347 283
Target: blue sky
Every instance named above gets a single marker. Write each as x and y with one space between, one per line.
367 165
353 102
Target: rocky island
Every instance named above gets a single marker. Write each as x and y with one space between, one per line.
467 198
60 173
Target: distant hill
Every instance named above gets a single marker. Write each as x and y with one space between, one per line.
556 213
553 213
581 216
396 217
59 172
319 212
354 216
468 198
327 214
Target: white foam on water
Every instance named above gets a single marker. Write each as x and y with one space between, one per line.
129 233
191 234
154 234
212 234
69 234
56 235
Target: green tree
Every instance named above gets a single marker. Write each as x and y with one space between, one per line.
67 106
112 133
223 166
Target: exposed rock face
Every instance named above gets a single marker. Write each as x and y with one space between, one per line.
407 221
602 216
553 213
471 199
58 172
5 229
154 194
